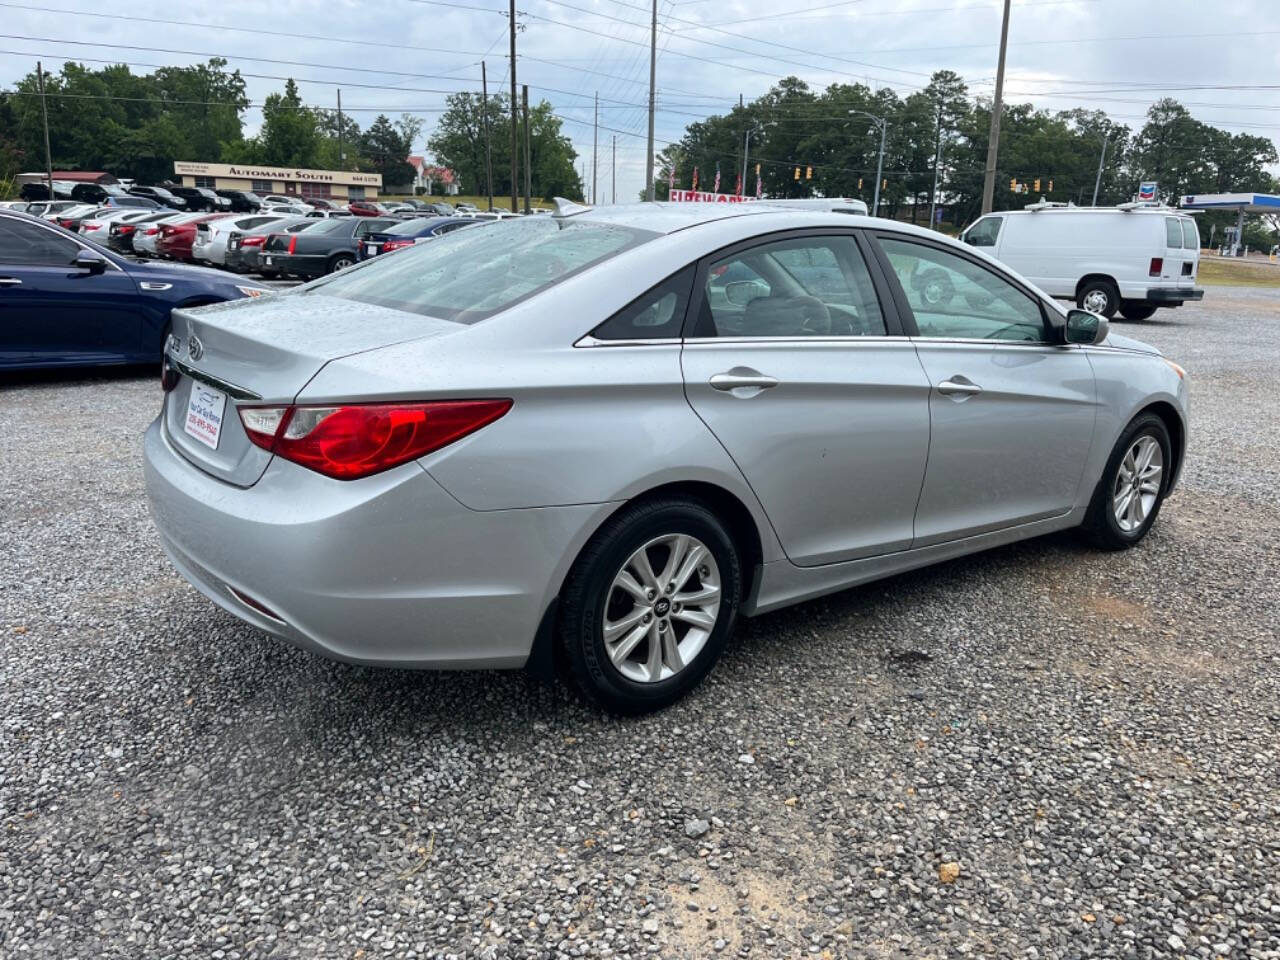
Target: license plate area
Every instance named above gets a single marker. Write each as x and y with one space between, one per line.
206 408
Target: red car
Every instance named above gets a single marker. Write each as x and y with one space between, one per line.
366 208
175 239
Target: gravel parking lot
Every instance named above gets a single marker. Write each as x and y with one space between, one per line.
1042 751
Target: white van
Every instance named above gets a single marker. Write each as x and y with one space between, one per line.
1129 259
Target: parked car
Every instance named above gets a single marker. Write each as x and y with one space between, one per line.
50 208
121 233
94 224
39 190
287 201
465 207
18 206
69 302
200 198
134 203
242 201
288 209
442 208
145 237
408 232
71 217
176 239
244 247
367 208
320 203
1131 259
96 193
543 440
328 214
159 195
328 246
210 244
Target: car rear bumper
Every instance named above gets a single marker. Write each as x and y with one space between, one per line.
299 266
1172 296
333 566
209 252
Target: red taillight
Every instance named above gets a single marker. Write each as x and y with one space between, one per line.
126 228
396 245
293 242
349 442
252 241
91 226
152 231
1157 266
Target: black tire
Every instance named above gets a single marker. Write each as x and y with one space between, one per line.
589 586
935 288
1100 523
1137 309
1108 289
340 262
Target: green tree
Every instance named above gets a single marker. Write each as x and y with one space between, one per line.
290 135
386 152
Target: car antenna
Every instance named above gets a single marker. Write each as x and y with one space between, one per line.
567 208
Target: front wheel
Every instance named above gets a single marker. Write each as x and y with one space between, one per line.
1128 497
650 604
1099 296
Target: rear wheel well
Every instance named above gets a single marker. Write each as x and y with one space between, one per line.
1177 434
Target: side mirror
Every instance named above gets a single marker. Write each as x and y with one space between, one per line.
90 261
742 292
1085 327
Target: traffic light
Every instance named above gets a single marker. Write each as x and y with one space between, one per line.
797 176
884 184
859 184
1036 188
757 169
1051 186
808 173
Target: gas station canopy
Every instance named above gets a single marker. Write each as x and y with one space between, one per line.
1243 202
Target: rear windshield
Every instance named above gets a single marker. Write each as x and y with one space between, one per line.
328 225
410 227
1173 233
1190 235
468 275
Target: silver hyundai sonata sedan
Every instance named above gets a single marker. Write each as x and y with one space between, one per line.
600 437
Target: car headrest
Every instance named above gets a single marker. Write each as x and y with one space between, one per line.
785 316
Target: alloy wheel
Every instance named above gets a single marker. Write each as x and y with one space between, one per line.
661 608
1096 301
1137 484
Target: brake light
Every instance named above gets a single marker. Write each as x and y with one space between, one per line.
349 442
252 241
1157 266
124 228
396 245
152 231
91 226
293 242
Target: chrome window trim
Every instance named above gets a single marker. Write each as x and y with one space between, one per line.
984 341
209 380
590 341
587 340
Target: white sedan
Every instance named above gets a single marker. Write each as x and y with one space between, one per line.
210 244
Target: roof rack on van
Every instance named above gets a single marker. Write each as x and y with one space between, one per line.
1043 204
1143 205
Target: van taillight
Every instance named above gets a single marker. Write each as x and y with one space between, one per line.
1157 266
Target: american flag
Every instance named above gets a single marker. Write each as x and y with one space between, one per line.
716 188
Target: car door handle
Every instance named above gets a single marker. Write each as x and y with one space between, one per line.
958 386
10 282
742 377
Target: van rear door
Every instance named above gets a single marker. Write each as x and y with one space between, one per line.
1182 253
1190 250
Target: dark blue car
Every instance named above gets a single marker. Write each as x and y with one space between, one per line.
408 233
66 301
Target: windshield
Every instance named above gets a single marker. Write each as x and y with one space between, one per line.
468 275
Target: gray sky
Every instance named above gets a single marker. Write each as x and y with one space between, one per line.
1115 55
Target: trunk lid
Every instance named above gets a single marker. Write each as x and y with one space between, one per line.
263 351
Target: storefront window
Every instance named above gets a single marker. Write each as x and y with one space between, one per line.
206 182
355 193
261 187
315 190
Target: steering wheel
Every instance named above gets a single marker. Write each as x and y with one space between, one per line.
815 318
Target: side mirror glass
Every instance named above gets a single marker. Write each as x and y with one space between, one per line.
1085 327
90 261
742 292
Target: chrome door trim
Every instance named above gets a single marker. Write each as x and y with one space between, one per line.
587 340
695 342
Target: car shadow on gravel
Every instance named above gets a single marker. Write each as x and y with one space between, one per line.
71 376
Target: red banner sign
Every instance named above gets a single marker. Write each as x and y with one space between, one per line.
695 196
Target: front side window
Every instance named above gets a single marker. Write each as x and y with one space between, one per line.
28 244
984 232
1173 233
805 287
468 275
955 299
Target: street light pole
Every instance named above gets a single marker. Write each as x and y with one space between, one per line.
746 149
883 124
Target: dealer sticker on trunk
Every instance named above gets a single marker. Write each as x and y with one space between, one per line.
204 414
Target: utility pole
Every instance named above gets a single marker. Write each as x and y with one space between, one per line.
488 149
875 203
528 159
341 148
653 69
44 109
515 117
595 152
937 159
993 140
1098 182
613 168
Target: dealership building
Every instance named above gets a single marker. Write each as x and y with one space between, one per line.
340 185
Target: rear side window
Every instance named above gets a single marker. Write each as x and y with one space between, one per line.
1190 235
1173 233
656 314
468 275
29 244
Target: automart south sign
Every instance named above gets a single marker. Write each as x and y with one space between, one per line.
283 174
